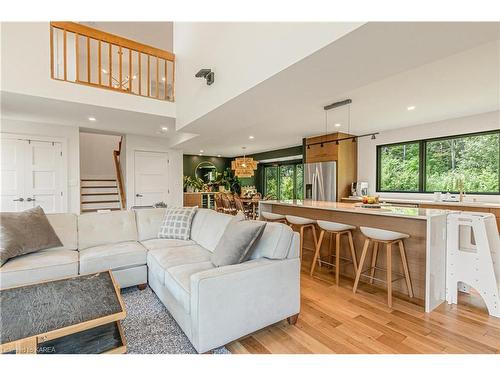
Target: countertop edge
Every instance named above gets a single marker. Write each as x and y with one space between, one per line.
365 211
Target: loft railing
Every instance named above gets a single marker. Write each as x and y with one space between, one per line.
87 56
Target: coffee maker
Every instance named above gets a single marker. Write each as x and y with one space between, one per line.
359 188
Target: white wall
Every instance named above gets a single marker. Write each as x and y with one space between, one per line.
241 55
156 34
96 155
70 135
367 148
25 69
139 143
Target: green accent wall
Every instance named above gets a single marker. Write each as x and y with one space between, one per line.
258 179
190 162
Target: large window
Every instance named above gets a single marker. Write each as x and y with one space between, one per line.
284 181
440 164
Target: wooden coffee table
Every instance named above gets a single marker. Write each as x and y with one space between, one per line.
74 315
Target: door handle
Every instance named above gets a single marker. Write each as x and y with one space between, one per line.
30 200
138 195
19 200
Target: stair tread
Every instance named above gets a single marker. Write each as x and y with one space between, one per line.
85 194
113 201
99 187
97 209
98 179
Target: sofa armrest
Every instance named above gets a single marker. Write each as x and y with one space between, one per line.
232 301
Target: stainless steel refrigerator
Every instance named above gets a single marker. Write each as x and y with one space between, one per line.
320 181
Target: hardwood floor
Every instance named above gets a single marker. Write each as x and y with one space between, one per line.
334 320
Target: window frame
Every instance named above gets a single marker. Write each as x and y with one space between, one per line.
422 188
278 165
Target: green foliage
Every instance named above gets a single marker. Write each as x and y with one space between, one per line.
399 167
195 182
229 181
284 181
471 159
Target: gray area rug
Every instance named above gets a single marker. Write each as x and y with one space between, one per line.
150 329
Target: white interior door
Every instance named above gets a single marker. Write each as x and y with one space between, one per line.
151 177
12 173
31 175
43 176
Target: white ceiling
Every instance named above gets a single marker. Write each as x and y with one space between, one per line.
445 70
109 120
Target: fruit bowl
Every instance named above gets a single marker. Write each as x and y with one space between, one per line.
367 199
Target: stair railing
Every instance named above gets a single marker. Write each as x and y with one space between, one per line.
119 178
87 56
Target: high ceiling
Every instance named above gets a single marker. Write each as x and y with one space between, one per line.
444 70
109 120
156 34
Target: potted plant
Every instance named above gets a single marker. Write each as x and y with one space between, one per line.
228 182
192 184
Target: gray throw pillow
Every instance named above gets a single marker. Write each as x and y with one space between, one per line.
177 223
25 232
237 242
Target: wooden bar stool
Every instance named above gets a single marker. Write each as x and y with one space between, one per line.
381 236
303 223
337 229
271 217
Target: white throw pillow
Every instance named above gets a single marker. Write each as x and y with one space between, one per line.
177 223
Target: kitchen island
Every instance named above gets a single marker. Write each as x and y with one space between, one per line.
425 248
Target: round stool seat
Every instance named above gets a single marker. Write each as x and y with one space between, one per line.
297 220
382 234
271 216
334 227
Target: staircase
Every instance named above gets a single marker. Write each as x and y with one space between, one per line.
99 195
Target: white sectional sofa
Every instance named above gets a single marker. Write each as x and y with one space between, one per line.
212 305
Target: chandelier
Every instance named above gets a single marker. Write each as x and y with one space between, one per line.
244 167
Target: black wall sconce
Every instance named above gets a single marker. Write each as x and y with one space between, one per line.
207 74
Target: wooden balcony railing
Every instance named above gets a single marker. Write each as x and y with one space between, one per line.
81 54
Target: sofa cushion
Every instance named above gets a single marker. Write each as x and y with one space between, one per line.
162 243
159 260
177 223
149 221
95 229
65 226
40 266
25 232
274 243
178 281
237 242
208 227
112 256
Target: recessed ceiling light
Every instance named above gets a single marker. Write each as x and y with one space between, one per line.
200 154
251 137
218 156
164 128
201 151
92 119
410 108
337 125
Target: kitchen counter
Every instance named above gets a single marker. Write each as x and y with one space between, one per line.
393 211
425 246
430 202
